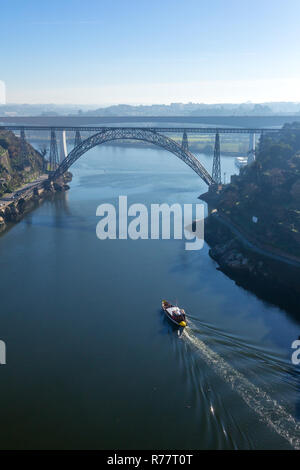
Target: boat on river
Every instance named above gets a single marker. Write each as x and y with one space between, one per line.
175 314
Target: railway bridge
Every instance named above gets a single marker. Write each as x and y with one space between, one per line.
60 160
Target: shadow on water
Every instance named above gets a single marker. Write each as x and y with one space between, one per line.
233 359
26 217
167 327
297 405
272 295
208 415
58 201
284 298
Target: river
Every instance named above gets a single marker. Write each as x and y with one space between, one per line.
91 361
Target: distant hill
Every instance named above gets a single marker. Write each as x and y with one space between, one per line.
194 109
173 109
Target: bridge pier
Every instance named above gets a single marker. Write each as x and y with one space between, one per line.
54 160
77 139
261 140
23 143
251 151
185 143
216 169
62 145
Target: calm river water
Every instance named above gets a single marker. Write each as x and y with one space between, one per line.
91 360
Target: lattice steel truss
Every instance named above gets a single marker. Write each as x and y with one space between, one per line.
23 144
78 139
216 170
185 143
54 159
251 151
123 133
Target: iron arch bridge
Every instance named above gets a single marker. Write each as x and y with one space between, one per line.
146 135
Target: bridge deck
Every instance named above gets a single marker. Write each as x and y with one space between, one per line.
179 130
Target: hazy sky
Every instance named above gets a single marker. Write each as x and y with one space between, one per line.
150 51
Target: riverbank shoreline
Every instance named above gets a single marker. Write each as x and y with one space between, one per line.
271 276
15 210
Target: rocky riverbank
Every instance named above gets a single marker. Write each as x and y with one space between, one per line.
253 229
247 267
20 163
15 210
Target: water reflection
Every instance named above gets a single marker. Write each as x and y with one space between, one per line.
93 362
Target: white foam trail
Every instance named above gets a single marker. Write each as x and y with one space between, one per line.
272 413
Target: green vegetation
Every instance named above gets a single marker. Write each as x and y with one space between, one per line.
201 143
269 190
15 169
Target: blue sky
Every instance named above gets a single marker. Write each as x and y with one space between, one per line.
156 51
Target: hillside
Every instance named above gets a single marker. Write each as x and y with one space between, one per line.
264 200
253 229
16 170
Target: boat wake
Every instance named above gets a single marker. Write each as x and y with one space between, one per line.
271 411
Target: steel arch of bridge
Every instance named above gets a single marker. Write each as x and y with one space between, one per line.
146 135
